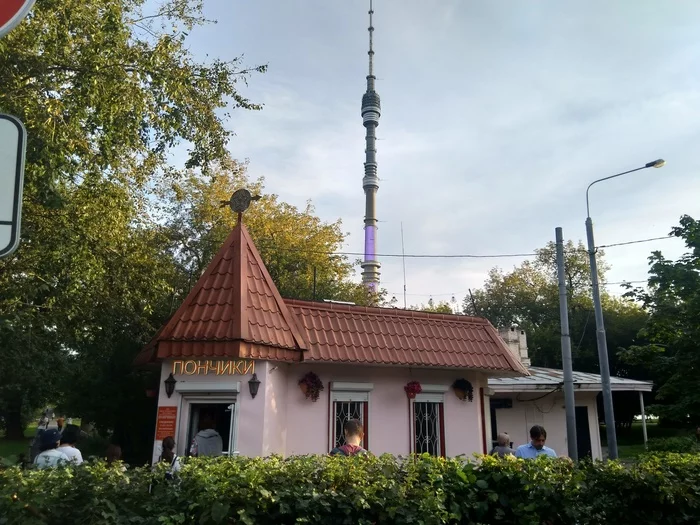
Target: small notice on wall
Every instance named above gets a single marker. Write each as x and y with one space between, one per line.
167 421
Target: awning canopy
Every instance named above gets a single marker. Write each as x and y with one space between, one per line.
550 378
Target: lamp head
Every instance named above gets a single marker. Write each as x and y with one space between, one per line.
658 163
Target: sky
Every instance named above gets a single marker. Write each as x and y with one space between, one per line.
495 117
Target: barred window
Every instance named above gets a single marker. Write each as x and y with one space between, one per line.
345 411
349 401
428 413
428 421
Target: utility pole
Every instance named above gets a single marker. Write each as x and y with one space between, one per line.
602 342
569 401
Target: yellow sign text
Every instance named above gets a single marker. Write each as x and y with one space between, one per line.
220 368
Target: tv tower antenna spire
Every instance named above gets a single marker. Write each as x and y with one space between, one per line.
371 111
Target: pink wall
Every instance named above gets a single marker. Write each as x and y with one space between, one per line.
275 392
280 420
308 422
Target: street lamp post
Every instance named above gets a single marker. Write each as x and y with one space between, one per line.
600 326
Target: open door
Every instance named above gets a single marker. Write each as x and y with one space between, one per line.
583 433
231 434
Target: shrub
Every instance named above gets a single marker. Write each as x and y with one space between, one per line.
662 489
681 445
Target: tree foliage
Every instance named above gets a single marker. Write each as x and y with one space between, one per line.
673 329
440 307
114 234
528 296
296 246
106 90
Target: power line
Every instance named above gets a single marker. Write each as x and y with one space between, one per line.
461 256
463 293
635 242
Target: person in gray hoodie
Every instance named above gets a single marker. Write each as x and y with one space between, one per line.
208 441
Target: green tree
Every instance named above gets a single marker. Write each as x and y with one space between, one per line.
106 90
529 297
673 328
296 246
440 307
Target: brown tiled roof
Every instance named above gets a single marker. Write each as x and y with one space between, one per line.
389 336
234 310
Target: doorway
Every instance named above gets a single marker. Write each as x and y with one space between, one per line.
583 433
221 414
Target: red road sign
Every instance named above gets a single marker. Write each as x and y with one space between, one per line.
12 12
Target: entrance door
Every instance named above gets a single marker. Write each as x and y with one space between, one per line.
220 416
583 433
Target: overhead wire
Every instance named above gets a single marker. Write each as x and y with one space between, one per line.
465 255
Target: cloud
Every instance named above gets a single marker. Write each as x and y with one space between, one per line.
495 118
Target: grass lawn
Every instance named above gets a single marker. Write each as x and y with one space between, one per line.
630 442
12 448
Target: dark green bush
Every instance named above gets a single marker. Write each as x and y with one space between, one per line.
681 445
662 489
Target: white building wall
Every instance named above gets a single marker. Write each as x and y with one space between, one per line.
533 409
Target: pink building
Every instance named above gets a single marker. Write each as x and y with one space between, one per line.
237 351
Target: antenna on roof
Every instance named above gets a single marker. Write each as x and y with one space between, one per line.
403 256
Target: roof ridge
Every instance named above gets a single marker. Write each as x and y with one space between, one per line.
398 312
288 316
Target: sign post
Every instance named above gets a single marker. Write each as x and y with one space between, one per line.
13 144
12 12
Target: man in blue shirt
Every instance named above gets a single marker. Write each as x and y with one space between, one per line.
538 435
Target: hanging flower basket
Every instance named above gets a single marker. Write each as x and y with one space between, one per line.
311 386
463 389
412 388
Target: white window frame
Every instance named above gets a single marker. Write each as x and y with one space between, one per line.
344 392
429 394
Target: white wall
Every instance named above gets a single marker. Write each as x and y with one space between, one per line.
250 436
549 412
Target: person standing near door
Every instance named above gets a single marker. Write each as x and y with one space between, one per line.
208 441
536 447
503 448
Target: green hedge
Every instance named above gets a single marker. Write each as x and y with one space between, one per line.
680 444
361 490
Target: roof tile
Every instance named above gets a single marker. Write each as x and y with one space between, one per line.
391 336
235 310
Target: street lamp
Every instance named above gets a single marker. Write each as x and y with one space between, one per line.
600 326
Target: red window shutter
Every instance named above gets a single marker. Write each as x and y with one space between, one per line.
483 420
